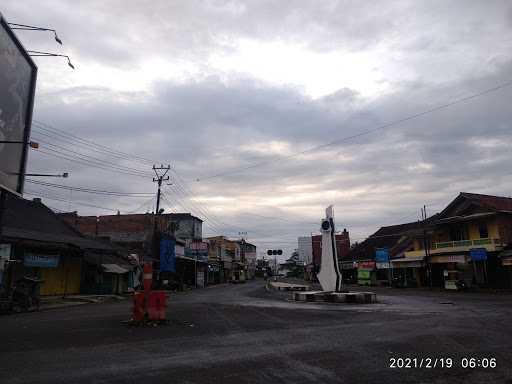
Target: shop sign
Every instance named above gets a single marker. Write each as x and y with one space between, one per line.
41 260
180 250
448 259
478 254
5 251
384 265
167 255
381 255
197 250
363 274
350 265
366 265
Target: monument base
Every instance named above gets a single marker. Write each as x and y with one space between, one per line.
335 297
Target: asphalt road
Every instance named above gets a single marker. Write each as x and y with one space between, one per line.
243 334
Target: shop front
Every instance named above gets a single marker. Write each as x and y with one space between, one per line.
366 273
448 271
349 272
409 272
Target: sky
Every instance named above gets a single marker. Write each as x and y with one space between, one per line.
239 97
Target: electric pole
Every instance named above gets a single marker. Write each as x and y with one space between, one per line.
160 173
426 245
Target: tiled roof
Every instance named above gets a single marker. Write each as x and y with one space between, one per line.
498 203
385 237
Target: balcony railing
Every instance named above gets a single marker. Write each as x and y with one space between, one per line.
465 243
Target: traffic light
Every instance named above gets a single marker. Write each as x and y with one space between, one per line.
273 252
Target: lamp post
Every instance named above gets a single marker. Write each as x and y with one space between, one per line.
49 54
64 175
25 27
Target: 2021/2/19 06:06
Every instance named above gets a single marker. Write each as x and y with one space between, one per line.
441 362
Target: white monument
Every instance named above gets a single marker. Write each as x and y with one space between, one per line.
330 275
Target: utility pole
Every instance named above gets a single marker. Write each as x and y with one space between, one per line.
426 245
160 173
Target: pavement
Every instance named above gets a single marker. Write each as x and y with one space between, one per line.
246 334
56 302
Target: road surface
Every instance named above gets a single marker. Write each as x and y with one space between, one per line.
243 334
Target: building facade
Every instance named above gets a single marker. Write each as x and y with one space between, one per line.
305 250
467 243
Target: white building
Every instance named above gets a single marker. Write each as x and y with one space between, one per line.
305 250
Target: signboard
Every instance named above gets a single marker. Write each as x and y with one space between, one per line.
366 265
180 250
5 251
349 265
363 274
381 255
197 250
167 255
448 259
384 265
17 87
478 254
41 260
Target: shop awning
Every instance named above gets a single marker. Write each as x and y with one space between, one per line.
408 262
114 268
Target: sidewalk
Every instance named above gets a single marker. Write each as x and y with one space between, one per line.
55 302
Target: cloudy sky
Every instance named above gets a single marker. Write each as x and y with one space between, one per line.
241 96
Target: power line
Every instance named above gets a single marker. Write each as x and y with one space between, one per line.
89 190
363 133
87 157
61 132
66 201
63 156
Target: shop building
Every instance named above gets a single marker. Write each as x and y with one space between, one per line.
468 242
37 242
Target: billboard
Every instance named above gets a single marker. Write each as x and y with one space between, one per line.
17 86
197 249
167 255
382 255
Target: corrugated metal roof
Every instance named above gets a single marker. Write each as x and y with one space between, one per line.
114 268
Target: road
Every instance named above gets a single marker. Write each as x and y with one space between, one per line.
243 334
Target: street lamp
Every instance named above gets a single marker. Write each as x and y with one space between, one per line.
64 175
49 54
24 27
31 144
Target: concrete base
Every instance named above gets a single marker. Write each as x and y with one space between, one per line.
336 297
286 286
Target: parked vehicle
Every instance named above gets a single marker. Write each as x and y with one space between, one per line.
22 297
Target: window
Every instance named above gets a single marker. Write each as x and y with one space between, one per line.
482 229
459 233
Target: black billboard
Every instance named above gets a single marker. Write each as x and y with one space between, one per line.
17 87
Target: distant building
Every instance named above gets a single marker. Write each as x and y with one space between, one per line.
305 250
135 233
248 257
342 247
